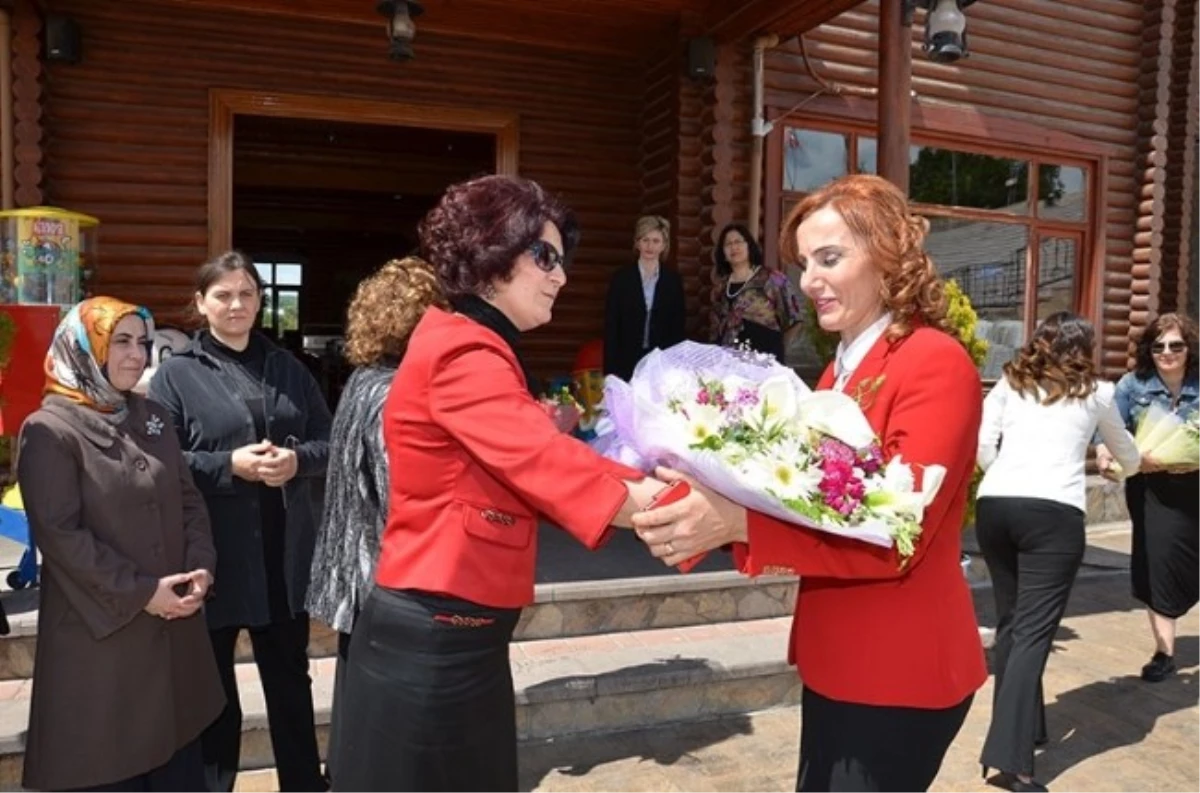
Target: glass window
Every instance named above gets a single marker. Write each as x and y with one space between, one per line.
287 274
811 158
1058 261
868 155
1062 192
267 309
265 272
287 310
964 179
988 262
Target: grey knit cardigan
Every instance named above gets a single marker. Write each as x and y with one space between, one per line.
356 496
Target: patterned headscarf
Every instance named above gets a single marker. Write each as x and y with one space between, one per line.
77 363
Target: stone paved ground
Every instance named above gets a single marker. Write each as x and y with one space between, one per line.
1109 731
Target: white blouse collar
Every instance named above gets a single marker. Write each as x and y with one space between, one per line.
849 356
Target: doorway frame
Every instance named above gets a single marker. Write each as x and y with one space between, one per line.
226 104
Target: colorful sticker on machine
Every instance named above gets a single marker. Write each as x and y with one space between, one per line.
47 260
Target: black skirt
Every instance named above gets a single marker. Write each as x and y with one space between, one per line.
849 746
427 699
1165 570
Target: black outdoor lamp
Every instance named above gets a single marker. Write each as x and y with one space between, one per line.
400 27
945 29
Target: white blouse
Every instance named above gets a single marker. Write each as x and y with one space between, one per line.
1031 450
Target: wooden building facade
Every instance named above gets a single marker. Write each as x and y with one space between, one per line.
1057 163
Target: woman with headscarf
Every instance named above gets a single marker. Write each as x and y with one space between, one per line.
124 679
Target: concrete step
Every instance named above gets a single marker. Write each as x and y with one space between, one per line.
561 610
564 686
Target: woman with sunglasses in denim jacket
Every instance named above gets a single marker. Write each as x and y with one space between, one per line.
474 463
1164 503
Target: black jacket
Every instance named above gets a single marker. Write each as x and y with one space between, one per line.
625 318
212 421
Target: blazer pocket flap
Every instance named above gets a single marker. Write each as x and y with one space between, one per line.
498 526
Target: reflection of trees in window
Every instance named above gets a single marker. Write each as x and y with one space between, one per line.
983 222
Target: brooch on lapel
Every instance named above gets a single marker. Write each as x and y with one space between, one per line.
154 426
865 391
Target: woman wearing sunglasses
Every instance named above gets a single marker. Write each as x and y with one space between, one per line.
1164 503
474 462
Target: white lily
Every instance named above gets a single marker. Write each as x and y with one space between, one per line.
897 493
836 414
776 402
781 476
702 422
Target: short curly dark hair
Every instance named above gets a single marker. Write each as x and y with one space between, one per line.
386 307
1144 366
479 228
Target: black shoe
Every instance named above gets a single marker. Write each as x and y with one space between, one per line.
1161 667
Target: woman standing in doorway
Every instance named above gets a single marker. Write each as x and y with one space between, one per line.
753 305
645 306
1164 503
255 430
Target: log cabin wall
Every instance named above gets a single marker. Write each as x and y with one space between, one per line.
1167 155
672 171
1069 66
725 145
126 134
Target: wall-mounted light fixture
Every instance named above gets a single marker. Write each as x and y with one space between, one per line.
945 29
400 28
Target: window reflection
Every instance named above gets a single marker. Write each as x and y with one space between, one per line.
988 262
1058 260
1062 192
966 179
811 158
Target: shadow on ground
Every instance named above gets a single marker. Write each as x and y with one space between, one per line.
1084 722
577 756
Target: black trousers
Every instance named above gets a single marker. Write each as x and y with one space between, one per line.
846 746
1033 548
281 655
183 772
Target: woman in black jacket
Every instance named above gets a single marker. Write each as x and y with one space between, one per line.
255 430
645 307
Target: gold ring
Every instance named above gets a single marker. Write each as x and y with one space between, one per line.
670 547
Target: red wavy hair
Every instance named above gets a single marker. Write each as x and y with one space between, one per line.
878 216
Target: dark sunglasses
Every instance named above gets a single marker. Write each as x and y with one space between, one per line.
546 256
1158 347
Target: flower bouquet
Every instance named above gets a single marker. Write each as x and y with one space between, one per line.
1172 441
751 430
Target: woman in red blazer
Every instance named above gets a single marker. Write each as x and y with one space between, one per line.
473 462
889 654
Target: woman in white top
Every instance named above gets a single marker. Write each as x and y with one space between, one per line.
1037 424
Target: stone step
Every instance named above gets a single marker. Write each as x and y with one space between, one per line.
564 686
575 608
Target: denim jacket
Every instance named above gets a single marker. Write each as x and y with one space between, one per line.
1134 396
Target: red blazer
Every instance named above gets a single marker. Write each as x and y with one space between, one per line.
473 461
867 631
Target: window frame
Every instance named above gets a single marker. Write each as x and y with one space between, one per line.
273 260
959 129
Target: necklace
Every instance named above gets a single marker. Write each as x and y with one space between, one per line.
742 286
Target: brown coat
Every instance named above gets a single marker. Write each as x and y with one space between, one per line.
116 691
